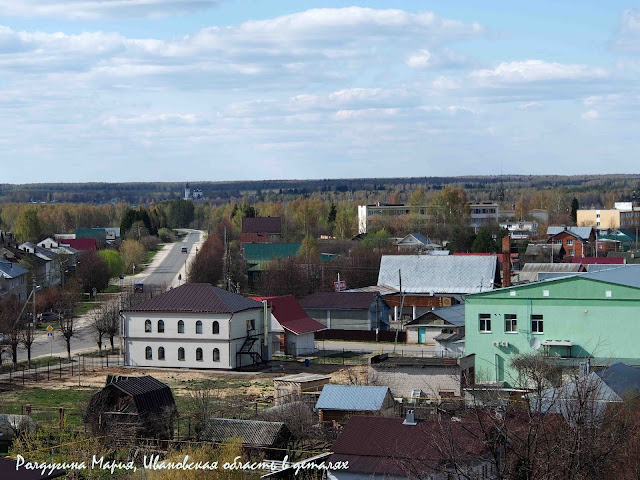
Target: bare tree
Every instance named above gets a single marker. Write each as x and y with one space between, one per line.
10 308
27 336
98 324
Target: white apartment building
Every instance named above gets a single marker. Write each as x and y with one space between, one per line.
196 325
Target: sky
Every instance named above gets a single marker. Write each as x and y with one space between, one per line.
218 90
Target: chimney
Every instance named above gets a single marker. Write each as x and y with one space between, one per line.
506 261
410 418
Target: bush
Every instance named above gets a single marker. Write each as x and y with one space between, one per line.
114 262
149 242
166 235
132 252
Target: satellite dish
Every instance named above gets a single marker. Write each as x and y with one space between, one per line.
535 343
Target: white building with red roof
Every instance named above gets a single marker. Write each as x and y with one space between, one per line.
292 331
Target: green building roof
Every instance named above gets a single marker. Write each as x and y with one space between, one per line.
100 234
258 255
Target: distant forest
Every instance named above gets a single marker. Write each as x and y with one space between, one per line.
591 190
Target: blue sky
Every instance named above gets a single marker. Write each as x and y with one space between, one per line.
175 90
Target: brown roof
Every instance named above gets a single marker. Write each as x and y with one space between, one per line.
196 297
343 300
261 225
385 446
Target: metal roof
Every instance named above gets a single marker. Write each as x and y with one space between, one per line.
448 337
581 232
291 316
196 297
439 274
149 394
352 398
302 378
416 239
453 315
11 270
628 275
339 300
551 267
261 225
252 432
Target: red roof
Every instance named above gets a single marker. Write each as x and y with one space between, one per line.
599 260
81 243
261 225
385 446
288 312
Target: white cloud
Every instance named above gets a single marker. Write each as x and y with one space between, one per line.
590 115
100 9
628 35
152 118
530 106
420 59
535 71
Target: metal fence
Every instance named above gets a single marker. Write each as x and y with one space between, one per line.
60 368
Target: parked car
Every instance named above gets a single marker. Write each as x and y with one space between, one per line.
138 288
47 317
185 250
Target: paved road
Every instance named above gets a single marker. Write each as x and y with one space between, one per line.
164 270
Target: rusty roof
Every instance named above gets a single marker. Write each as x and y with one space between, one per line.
196 298
261 225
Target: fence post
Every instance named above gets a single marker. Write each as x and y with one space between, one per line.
22 375
107 358
48 368
60 367
343 356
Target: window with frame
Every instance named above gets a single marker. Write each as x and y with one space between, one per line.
198 327
485 322
160 353
148 355
510 323
180 326
181 354
572 252
216 327
160 326
216 355
251 324
198 354
537 324
147 326
569 243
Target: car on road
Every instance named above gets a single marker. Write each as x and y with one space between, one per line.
185 250
49 317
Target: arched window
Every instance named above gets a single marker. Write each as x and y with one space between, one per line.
216 327
180 326
199 354
160 326
181 353
216 355
147 353
198 326
160 353
147 326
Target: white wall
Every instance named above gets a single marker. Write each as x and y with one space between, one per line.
233 332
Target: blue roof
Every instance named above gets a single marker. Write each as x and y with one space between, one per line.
581 232
353 398
11 270
628 275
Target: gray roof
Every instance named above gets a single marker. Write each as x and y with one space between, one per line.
551 267
252 432
416 238
11 270
439 274
352 398
454 315
197 298
542 248
628 275
448 337
621 378
582 232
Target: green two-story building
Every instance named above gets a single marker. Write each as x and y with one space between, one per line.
568 320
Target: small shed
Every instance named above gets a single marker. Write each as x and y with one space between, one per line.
144 405
338 402
290 388
273 437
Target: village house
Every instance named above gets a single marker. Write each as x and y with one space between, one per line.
387 448
348 310
428 326
261 230
196 325
13 280
576 241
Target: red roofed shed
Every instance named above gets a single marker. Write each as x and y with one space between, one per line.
81 243
291 328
